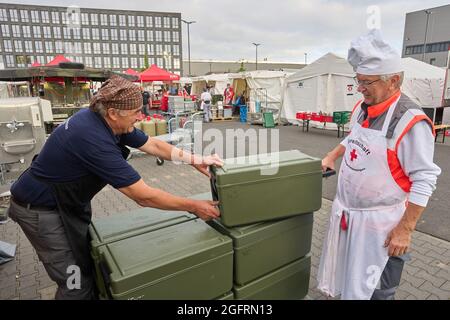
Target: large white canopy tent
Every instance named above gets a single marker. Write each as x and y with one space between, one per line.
218 81
261 85
423 83
327 85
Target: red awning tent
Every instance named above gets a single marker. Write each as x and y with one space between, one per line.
157 74
35 64
132 72
57 60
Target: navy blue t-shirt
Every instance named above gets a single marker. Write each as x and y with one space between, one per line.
83 145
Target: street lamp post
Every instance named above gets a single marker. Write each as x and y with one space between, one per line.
189 43
428 12
256 45
167 58
306 55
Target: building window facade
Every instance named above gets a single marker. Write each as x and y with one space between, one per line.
5 31
112 20
18 45
14 15
40 31
16 31
57 32
55 17
94 19
45 17
175 23
37 31
47 32
85 19
35 16
24 16
3 15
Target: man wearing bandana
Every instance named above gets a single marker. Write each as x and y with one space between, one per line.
51 199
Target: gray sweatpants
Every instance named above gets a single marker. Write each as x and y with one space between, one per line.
45 231
207 111
390 278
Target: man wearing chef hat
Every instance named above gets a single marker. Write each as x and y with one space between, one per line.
385 180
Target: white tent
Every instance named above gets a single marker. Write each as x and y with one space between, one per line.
326 85
263 86
423 83
218 81
269 83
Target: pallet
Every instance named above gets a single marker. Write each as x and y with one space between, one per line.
223 118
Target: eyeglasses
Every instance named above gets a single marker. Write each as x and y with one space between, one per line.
364 83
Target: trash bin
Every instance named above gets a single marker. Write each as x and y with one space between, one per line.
268 121
243 113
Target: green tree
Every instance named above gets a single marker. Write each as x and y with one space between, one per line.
145 62
242 68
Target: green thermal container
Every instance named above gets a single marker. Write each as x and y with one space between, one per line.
226 296
121 226
290 282
264 247
189 260
125 225
266 187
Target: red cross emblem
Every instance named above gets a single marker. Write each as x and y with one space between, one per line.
353 155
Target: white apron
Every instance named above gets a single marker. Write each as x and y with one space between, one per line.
368 205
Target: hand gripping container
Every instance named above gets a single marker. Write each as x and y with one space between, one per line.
261 248
189 260
267 187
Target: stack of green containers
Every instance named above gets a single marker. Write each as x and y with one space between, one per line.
341 117
258 249
155 254
269 217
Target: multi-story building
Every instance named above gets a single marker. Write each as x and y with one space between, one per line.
427 35
100 38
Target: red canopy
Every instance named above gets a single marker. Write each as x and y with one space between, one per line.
132 72
157 74
36 64
57 60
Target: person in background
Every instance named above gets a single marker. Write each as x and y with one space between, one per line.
240 101
146 100
228 95
164 100
206 104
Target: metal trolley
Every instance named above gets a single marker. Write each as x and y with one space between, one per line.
181 131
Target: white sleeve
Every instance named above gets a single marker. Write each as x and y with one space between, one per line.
415 153
345 141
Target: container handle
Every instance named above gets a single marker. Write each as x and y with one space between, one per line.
106 278
328 173
212 181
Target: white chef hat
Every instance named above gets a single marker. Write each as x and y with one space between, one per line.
370 55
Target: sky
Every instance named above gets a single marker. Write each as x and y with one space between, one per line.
285 29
